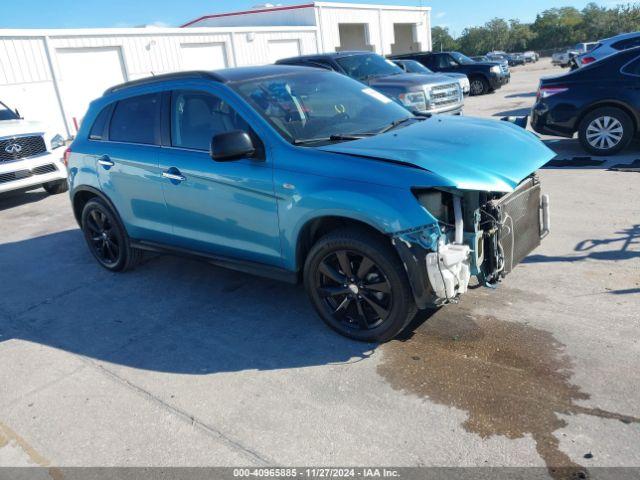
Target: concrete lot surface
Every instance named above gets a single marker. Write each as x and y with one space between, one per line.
180 363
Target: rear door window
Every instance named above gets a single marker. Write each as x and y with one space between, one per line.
627 43
136 120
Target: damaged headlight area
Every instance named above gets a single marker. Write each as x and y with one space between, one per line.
473 234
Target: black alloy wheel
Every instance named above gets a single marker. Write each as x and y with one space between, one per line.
358 285
354 289
106 237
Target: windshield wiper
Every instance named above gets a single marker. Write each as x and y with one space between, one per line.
397 123
339 137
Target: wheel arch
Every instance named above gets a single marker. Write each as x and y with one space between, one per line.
317 227
82 195
612 104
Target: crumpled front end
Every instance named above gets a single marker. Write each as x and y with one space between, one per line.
477 234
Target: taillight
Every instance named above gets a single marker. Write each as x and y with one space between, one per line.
546 92
66 157
587 60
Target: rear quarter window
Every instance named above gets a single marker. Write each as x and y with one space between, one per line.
136 120
99 130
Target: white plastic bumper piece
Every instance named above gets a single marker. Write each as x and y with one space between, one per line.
449 271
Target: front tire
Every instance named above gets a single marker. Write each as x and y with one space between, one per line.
56 187
479 86
358 285
106 237
605 131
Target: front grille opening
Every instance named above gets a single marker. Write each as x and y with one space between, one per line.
12 149
20 174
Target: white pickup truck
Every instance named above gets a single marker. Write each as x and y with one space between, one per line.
30 155
563 59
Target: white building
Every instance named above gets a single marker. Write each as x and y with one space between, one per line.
383 29
52 75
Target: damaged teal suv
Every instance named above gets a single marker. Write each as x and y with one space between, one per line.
308 176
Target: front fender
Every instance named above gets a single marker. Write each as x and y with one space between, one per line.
386 209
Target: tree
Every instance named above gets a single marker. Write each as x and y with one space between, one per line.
442 40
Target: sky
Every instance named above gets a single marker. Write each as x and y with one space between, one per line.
455 14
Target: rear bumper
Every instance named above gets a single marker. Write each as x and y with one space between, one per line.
31 172
557 120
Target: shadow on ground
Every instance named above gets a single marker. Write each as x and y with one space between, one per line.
20 197
170 314
624 246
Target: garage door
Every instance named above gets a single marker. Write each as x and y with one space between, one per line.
85 73
278 49
203 56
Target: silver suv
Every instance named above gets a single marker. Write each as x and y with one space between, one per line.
607 47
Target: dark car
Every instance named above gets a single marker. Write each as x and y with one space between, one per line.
485 77
417 92
601 102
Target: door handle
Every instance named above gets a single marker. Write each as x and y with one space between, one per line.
105 161
174 174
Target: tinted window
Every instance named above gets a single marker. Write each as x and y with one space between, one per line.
6 113
363 67
626 44
197 116
135 120
97 130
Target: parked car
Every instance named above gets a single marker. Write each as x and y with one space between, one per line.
601 102
563 59
484 77
607 47
420 93
30 154
516 58
303 174
411 66
531 56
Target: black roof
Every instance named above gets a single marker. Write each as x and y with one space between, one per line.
400 56
227 75
332 55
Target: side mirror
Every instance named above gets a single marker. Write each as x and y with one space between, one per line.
233 145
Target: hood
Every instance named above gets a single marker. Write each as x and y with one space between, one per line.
20 127
454 75
470 153
407 80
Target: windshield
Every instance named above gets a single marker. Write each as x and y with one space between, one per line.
319 105
462 59
363 67
415 67
6 113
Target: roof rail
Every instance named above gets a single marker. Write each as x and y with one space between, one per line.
165 77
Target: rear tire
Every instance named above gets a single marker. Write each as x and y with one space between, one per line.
56 187
479 86
106 237
605 131
358 285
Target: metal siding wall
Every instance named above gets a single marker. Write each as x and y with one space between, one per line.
27 79
290 17
389 17
332 16
256 52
